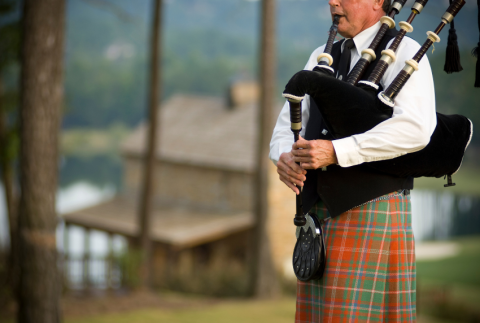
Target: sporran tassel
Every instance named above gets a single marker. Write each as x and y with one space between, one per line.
452 59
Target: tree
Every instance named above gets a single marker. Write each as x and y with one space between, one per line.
41 96
264 281
147 192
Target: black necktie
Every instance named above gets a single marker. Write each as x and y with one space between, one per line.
344 64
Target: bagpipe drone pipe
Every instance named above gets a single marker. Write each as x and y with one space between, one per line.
353 107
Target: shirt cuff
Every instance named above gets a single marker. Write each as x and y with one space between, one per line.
284 149
347 152
281 149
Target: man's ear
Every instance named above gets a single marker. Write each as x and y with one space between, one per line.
378 4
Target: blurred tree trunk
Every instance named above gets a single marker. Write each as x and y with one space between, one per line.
41 100
264 282
148 189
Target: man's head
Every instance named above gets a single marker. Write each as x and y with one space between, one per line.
357 15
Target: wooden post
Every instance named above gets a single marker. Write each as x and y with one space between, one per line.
86 260
66 256
147 190
264 281
110 260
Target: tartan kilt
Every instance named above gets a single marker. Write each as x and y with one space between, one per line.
370 270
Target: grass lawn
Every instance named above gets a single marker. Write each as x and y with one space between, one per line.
457 277
278 311
463 269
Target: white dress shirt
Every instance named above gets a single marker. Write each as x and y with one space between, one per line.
409 129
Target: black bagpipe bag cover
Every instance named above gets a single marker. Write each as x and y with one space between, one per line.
349 110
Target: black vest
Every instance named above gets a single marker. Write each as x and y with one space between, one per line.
342 189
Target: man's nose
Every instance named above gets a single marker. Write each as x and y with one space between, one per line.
334 3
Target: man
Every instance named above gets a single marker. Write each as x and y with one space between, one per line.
370 271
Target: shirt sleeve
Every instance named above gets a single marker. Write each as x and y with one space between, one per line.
282 137
412 123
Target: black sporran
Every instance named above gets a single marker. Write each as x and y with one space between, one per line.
309 255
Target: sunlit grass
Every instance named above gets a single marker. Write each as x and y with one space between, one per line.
462 269
278 311
458 275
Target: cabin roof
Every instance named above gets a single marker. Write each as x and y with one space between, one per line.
177 227
202 131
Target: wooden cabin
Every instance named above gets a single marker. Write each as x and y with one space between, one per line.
203 218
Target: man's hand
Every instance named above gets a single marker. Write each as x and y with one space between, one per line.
290 172
314 154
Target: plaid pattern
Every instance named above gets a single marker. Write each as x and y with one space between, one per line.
370 272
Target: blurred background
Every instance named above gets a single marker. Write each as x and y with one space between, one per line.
203 205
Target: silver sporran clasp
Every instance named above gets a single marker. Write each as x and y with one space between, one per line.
310 224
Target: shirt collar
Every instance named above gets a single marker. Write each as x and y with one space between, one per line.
365 38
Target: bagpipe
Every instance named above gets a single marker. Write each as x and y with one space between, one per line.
363 108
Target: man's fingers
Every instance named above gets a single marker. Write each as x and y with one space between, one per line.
302 152
290 185
309 166
302 160
294 166
301 143
297 172
286 177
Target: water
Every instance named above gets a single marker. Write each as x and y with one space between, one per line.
71 198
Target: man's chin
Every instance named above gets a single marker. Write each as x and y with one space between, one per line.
344 33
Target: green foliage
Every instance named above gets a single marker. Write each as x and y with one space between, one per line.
9 44
455 93
9 95
466 180
130 266
100 170
229 281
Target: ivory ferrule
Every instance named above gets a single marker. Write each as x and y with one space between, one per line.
447 17
387 59
293 98
389 56
326 58
397 5
389 21
405 26
409 69
411 66
418 7
433 37
369 54
296 126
